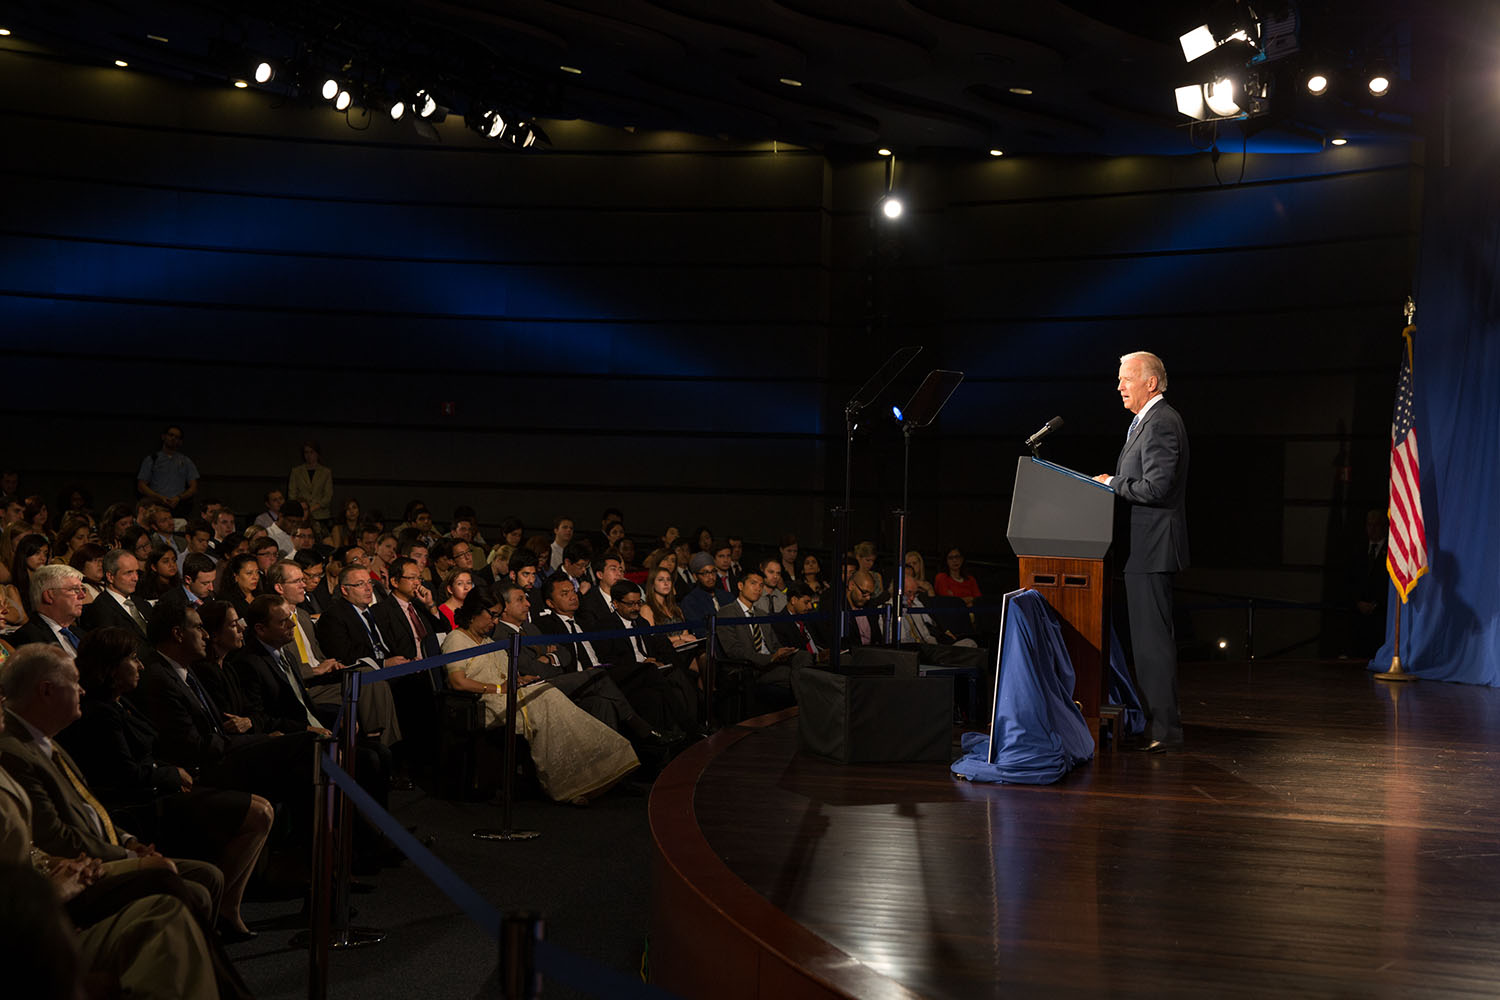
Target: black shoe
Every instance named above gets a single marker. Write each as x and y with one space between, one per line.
230 934
1158 746
657 738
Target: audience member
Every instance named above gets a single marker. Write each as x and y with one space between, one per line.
863 629
916 569
33 551
456 585
89 561
56 601
577 757
239 582
952 582
120 605
169 477
312 483
562 537
159 574
273 501
346 531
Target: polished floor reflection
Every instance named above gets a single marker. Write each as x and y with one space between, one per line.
1322 834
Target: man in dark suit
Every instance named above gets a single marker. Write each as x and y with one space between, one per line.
57 597
596 609
197 575
863 629
1151 476
276 699
116 604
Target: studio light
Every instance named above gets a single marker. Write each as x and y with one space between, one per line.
343 100
425 104
397 110
240 84
121 63
1317 84
891 207
1234 95
896 412
330 89
494 124
1379 85
264 72
1219 96
882 151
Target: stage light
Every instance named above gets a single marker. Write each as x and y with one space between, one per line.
997 152
891 207
264 72
1220 97
425 104
121 63
1022 91
1198 42
896 412
1337 140
1317 84
528 135
1379 85
1223 643
4 32
789 81
397 110
240 84
882 151
571 69
343 100
330 89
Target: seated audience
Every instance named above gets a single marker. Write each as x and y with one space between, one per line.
159 574
577 757
120 604
32 552
239 581
952 582
57 600
916 568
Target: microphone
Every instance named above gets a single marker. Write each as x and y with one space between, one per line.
1047 428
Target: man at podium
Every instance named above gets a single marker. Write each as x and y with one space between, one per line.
1151 476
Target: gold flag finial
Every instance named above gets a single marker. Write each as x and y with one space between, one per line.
1410 309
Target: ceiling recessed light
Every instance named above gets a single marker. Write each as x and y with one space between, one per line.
1023 91
997 152
1339 141
241 84
121 63
790 82
571 69
882 151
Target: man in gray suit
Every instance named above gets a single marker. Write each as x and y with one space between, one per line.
754 644
1151 476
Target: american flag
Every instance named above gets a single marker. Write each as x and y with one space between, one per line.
1406 549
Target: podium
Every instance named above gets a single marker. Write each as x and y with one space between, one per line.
1061 526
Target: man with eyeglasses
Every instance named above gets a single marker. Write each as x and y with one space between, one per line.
57 594
349 632
864 630
702 600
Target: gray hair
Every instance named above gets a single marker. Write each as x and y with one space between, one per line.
1150 365
112 560
29 666
52 576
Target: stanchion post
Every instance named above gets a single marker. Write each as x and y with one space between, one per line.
347 816
711 672
319 887
1250 629
519 977
507 780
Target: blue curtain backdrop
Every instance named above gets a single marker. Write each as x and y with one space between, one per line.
1450 629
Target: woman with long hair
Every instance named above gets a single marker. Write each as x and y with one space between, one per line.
238 582
117 517
159 573
34 512
137 541
812 574
346 530
917 568
32 553
116 746
953 582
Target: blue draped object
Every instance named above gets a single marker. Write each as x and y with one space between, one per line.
1040 731
1122 690
1450 630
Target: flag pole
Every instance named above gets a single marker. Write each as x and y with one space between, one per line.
1395 673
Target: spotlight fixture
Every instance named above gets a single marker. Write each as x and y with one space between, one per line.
882 151
891 207
330 89
1232 95
997 152
788 81
121 63
264 72
240 84
896 412
491 124
397 110
1379 84
1337 140
343 100
1317 83
424 104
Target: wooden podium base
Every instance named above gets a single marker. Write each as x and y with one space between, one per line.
1077 590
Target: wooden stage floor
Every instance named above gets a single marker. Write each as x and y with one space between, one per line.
1323 834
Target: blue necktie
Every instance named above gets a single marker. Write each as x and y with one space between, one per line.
72 638
375 643
1133 425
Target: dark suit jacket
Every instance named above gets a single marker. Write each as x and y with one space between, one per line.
594 613
187 734
342 634
395 627
59 816
273 704
529 663
551 624
35 630
738 643
176 597
106 611
223 687
1151 476
116 747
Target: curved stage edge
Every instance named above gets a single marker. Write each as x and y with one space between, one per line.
711 933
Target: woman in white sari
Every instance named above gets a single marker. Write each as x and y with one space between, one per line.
576 756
